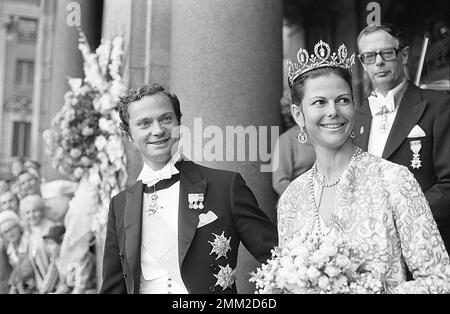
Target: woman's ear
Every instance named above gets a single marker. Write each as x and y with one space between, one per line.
297 114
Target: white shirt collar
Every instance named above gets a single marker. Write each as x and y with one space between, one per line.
377 101
150 177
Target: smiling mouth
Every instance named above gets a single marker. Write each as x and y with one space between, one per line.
159 142
332 126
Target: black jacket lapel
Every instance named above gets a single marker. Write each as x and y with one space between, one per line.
133 229
191 181
409 113
363 122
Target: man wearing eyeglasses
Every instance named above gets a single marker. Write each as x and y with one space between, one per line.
403 123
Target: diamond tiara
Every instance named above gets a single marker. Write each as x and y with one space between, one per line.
322 57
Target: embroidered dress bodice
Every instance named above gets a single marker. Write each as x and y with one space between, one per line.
380 206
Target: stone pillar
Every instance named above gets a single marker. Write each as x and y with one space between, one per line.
4 21
227 70
64 59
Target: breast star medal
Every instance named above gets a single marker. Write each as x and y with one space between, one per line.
225 277
416 146
220 245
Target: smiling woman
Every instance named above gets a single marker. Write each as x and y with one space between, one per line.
360 198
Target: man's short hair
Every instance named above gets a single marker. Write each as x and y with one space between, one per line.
133 95
388 28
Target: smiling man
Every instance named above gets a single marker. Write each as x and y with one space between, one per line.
403 123
178 228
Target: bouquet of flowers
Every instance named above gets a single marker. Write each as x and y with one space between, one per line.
85 140
317 265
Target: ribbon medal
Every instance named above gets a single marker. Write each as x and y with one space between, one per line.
196 200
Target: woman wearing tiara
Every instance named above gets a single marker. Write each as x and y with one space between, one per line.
375 203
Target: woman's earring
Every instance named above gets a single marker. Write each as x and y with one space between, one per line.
352 134
302 137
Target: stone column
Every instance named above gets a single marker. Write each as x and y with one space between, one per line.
4 21
226 68
63 57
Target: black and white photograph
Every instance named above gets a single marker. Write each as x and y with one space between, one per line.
224 147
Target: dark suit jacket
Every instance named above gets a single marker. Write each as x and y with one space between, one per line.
226 194
431 111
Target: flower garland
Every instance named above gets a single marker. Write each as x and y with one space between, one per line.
85 140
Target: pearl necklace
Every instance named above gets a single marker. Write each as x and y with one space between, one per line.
314 175
315 172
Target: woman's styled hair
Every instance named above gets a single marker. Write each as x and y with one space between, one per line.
298 86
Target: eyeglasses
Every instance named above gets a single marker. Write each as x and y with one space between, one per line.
386 54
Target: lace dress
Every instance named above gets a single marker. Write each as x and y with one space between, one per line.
381 207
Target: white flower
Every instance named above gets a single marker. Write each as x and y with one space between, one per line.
323 282
328 249
75 85
332 271
114 148
106 125
340 282
313 273
342 261
319 257
78 173
75 153
100 142
87 131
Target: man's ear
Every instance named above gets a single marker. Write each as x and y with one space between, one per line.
297 114
126 131
405 55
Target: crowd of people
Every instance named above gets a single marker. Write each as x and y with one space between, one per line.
31 233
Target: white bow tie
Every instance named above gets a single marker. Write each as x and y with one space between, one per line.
380 105
151 177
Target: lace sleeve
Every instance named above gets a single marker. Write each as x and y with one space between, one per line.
421 243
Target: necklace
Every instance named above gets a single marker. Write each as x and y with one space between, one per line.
312 195
315 171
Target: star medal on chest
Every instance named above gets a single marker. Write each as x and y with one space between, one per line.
220 245
416 146
225 277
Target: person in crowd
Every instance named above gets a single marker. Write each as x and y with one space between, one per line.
376 204
9 201
33 167
28 183
20 278
16 166
290 159
178 228
403 123
37 225
75 278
